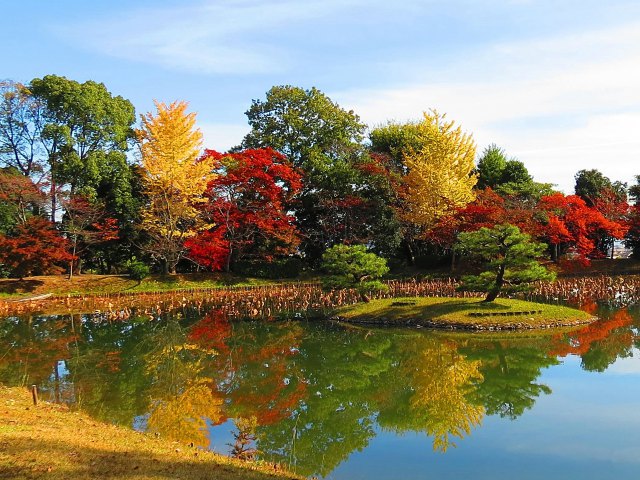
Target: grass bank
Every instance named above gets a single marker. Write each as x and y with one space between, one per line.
49 441
462 313
109 284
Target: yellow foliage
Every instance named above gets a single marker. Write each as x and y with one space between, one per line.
174 178
441 380
440 176
184 417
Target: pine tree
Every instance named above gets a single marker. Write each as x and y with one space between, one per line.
509 260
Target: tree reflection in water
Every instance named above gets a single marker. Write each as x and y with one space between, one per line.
315 392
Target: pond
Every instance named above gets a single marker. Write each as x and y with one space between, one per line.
351 403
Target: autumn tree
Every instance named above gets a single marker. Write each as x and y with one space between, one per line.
174 180
248 205
86 223
34 248
508 257
571 224
351 266
440 174
632 238
19 198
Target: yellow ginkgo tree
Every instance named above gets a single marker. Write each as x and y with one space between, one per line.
440 170
175 178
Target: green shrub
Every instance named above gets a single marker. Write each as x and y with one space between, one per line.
137 270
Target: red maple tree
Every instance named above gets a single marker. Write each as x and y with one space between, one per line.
35 247
248 206
573 226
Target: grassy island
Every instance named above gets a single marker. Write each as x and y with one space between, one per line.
462 313
50 441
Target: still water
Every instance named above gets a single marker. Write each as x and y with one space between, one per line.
351 403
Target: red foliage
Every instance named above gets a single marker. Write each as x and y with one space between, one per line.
212 332
581 341
35 248
575 225
248 206
209 249
487 210
20 192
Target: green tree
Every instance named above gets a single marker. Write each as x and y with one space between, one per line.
508 258
508 176
352 266
491 166
325 142
85 134
305 125
591 184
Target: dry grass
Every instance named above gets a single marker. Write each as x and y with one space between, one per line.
463 313
49 441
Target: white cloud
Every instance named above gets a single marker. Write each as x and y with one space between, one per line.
559 105
203 37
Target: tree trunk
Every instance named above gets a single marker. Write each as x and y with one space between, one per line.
453 260
410 253
497 286
72 260
227 263
54 206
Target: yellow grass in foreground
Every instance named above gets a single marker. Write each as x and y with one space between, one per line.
49 441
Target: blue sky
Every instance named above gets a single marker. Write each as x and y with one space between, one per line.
555 83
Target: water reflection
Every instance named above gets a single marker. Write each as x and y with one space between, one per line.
306 395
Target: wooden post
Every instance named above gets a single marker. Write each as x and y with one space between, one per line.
34 394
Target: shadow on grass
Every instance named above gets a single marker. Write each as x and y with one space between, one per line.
70 461
449 308
20 286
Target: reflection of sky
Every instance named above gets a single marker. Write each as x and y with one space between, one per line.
588 428
626 366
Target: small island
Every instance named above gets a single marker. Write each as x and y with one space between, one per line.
462 314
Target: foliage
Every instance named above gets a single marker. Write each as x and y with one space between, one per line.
86 223
174 180
21 123
19 198
325 142
302 125
288 267
137 270
34 248
572 224
351 266
590 184
248 204
85 134
507 176
632 238
508 259
440 174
